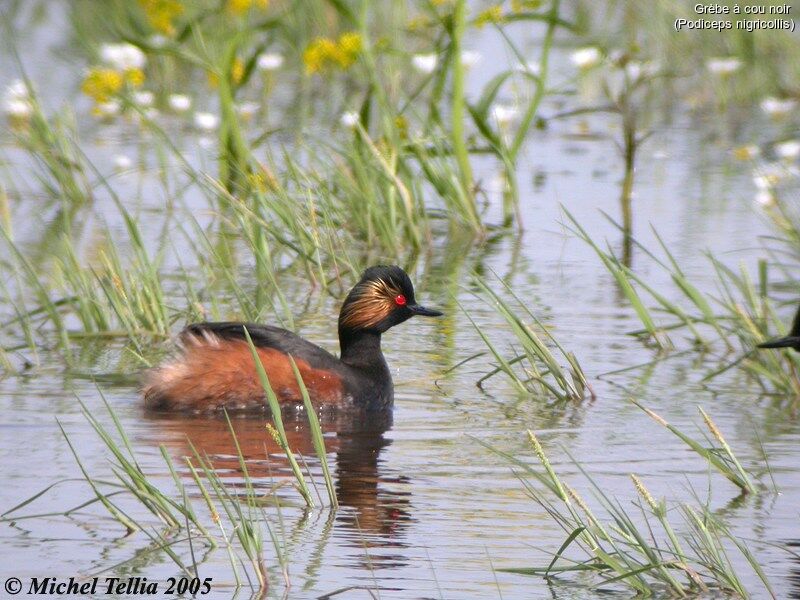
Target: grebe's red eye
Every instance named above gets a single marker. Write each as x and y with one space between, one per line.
400 300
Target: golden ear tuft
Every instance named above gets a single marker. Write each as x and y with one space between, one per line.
373 303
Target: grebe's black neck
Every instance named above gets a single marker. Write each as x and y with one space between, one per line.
361 349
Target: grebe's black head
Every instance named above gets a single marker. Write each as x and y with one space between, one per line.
382 299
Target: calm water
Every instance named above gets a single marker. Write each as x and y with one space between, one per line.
426 510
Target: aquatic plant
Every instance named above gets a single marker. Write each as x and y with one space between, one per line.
277 430
742 312
646 553
715 450
541 372
245 516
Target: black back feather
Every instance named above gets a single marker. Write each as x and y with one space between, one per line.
266 336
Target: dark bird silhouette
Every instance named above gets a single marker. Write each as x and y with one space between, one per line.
215 369
790 341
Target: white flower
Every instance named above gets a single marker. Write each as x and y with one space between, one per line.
269 61
179 102
425 63
723 66
470 58
18 109
157 40
17 90
248 109
151 113
635 69
143 98
349 119
788 150
504 114
122 162
122 57
586 58
206 121
776 107
764 182
17 102
764 197
529 66
769 175
108 109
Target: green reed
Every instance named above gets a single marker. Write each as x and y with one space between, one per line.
786 217
715 450
52 142
245 514
740 312
278 432
133 479
456 66
316 435
29 280
114 298
648 553
226 48
322 210
541 372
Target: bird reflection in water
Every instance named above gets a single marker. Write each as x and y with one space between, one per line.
794 570
374 501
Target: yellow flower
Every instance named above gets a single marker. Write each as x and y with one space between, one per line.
324 53
319 55
239 7
161 14
748 152
351 44
135 77
237 73
101 84
493 14
237 70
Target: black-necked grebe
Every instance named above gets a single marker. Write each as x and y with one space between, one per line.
215 369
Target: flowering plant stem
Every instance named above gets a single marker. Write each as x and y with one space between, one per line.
457 109
533 107
234 150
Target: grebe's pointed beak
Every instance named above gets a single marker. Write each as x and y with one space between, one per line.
785 342
424 312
